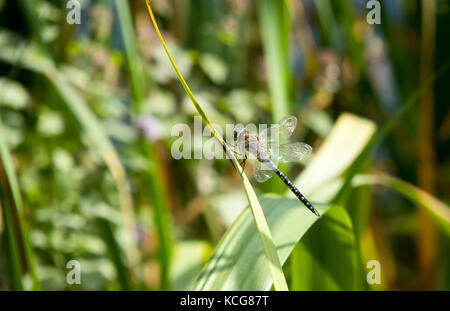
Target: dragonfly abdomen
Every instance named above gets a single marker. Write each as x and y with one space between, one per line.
294 189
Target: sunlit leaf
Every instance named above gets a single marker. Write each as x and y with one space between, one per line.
325 258
238 262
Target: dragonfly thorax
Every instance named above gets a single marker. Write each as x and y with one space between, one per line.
254 147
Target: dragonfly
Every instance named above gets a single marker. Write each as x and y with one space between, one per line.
270 147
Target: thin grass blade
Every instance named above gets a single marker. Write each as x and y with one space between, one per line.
436 208
272 260
17 209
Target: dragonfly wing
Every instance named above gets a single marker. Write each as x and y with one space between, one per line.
261 172
286 128
279 133
265 135
293 152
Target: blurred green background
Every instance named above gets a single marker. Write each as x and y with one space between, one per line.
86 171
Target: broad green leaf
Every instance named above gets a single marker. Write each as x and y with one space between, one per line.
326 257
238 261
347 139
322 179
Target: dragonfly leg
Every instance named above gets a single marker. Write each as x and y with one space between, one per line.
243 164
232 148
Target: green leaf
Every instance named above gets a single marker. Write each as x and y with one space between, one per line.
114 253
274 23
364 156
437 209
238 261
132 53
188 259
326 257
12 251
348 138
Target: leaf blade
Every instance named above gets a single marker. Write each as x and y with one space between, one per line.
264 233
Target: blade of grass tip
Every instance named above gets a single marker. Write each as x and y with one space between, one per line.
157 190
17 205
270 252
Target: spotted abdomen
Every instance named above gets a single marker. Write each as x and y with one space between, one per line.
293 188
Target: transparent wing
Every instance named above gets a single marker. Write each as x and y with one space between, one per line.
293 152
287 126
261 172
240 139
280 132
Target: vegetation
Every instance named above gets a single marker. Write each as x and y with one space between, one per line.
86 171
